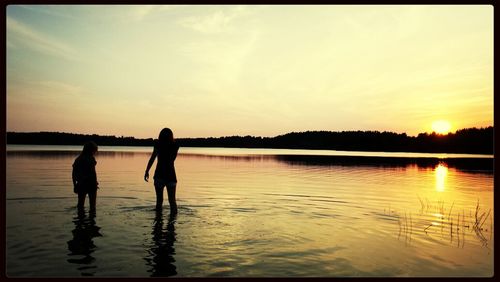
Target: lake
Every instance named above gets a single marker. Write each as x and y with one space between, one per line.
253 213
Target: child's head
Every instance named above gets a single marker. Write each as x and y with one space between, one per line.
166 136
90 148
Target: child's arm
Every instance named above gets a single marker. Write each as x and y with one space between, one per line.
73 176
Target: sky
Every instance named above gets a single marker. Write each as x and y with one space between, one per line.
205 71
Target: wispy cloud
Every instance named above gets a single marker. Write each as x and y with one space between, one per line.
216 22
140 12
10 44
44 89
60 87
51 10
27 36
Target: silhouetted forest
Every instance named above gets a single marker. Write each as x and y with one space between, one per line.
469 140
61 138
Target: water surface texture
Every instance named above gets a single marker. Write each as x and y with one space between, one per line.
252 213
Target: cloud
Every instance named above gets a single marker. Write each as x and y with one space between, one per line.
44 90
10 44
217 22
51 10
25 35
60 87
140 12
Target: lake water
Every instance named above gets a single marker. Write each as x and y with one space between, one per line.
253 213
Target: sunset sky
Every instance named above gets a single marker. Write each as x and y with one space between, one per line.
247 70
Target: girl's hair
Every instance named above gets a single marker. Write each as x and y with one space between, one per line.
89 148
166 136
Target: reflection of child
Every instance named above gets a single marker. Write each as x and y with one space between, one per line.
84 175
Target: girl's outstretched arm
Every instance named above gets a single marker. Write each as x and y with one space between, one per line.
150 163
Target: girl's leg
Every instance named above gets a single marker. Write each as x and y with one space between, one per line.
81 200
159 194
92 200
171 197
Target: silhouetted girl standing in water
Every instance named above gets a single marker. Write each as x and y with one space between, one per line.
166 149
85 177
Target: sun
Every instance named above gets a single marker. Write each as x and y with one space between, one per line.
441 126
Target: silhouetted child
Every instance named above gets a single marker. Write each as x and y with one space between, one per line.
166 149
85 177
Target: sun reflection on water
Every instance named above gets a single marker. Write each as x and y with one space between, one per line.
441 174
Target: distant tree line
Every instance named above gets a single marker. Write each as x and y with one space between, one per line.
61 138
469 140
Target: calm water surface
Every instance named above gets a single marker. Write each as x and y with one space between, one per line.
252 213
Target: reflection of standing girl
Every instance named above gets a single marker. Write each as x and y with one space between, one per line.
84 175
165 148
161 258
82 244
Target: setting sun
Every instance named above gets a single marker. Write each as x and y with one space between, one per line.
441 126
